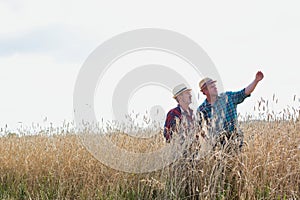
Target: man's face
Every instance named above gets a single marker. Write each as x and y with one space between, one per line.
185 97
211 90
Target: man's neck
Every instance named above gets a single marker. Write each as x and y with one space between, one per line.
211 99
184 107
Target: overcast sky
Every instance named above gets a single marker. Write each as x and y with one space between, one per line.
43 45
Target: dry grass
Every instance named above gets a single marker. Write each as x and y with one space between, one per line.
59 167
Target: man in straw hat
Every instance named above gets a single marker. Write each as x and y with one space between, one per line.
220 111
182 94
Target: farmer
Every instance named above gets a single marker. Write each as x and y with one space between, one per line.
219 111
182 94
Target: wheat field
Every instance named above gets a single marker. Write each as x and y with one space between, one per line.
58 166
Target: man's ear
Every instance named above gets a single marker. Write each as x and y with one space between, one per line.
179 97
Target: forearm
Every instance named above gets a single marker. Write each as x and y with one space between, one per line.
258 77
250 88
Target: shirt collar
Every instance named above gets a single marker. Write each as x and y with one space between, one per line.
181 109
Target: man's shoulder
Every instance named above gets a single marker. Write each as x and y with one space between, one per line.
228 93
203 106
175 111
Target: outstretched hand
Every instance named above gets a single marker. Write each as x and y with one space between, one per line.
259 76
249 89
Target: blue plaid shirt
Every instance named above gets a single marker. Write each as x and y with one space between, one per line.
222 115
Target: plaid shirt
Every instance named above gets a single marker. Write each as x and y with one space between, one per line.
222 115
174 115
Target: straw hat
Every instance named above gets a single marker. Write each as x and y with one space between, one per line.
180 89
205 82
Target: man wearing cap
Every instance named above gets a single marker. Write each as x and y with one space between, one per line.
182 94
220 111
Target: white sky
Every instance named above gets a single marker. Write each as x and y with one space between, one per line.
43 45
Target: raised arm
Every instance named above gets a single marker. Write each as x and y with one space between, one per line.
250 88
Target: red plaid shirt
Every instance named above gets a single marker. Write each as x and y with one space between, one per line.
170 123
